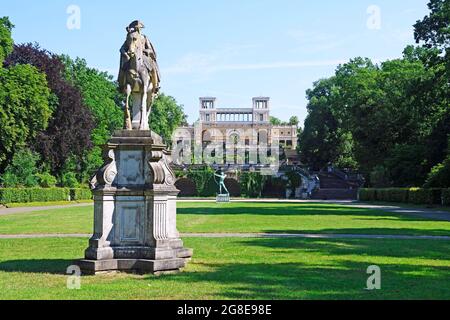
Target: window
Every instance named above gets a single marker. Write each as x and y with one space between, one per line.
261 117
208 117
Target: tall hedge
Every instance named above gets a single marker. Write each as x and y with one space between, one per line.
23 195
412 195
446 197
80 194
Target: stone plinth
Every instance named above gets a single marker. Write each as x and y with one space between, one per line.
135 209
223 198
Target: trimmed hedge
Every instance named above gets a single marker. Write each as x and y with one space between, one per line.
412 195
22 195
367 194
80 194
446 197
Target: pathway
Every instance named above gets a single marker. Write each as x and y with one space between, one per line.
416 212
6 211
250 235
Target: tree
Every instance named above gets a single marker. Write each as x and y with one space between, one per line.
100 95
24 108
22 171
324 140
69 130
6 42
434 29
275 121
439 177
293 121
167 115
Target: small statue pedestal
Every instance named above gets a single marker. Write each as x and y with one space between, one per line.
223 198
135 209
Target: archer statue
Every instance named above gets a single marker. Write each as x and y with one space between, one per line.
139 77
222 176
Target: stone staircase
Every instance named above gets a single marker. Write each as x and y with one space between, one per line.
335 187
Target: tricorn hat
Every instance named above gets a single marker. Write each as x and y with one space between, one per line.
136 24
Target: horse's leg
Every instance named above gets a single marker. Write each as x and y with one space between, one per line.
142 125
127 109
144 120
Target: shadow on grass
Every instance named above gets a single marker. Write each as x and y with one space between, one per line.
277 209
390 248
330 275
369 231
303 269
50 266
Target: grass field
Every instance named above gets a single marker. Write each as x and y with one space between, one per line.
239 269
233 268
243 217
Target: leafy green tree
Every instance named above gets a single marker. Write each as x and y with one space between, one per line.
439 177
167 115
324 140
434 29
6 42
293 121
69 130
22 170
275 121
99 93
24 108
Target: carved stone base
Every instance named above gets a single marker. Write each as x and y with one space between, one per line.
135 209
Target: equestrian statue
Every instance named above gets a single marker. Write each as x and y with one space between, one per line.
139 77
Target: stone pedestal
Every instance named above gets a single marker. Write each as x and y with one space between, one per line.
135 209
223 198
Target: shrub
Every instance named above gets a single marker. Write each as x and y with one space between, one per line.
233 187
187 187
392 195
367 195
80 194
201 178
22 170
19 195
14 195
46 180
420 196
446 197
439 177
275 188
210 189
9 180
69 180
252 184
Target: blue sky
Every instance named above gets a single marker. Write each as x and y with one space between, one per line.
234 49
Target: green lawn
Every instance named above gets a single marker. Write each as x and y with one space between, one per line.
243 217
239 269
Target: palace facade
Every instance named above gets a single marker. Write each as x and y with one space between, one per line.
251 126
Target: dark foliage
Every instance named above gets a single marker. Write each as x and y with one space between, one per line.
69 131
233 187
187 187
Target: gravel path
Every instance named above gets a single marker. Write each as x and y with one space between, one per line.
6 211
415 212
249 235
